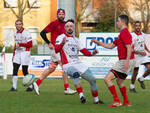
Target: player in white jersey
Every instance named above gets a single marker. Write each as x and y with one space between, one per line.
68 46
21 54
138 39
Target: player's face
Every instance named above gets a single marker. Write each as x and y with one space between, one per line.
61 16
119 23
138 27
18 25
69 28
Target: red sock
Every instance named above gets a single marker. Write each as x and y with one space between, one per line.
38 82
112 89
123 91
66 85
95 93
79 90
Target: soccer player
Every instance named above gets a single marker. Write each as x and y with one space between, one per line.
125 64
21 54
56 28
138 40
68 46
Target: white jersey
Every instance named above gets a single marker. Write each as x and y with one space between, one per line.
22 37
69 54
138 41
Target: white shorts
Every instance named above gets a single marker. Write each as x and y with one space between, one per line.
81 68
22 57
55 56
119 66
141 60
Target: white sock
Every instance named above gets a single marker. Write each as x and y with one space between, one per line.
96 99
81 95
14 81
141 78
131 86
31 86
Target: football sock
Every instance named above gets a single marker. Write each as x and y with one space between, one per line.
112 90
131 86
14 81
95 95
123 91
80 91
66 86
38 82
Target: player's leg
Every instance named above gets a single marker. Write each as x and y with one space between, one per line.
133 79
44 74
123 91
108 80
15 77
87 75
146 73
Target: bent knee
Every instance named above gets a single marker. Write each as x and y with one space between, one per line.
53 65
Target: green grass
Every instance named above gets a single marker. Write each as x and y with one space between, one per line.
53 100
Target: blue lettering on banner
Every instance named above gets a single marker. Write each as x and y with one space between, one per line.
40 63
93 46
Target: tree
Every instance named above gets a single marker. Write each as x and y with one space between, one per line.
22 8
80 12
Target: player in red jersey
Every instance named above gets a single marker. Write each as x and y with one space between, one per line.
125 64
56 28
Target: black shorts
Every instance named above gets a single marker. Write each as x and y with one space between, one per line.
119 74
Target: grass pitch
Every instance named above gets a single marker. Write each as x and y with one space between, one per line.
53 100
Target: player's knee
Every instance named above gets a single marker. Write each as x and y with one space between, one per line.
72 72
106 79
53 65
76 81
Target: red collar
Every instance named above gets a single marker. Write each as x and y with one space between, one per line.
68 35
20 30
138 33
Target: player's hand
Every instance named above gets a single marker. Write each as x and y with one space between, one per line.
63 41
50 46
94 40
94 52
17 46
143 53
2 54
126 65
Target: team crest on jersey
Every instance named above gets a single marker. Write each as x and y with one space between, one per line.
73 49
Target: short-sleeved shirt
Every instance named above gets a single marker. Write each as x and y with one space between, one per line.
123 39
56 28
23 36
138 40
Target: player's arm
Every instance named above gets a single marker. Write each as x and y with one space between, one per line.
85 52
146 48
59 44
108 46
44 37
28 44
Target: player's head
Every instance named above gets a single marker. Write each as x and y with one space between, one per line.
137 26
61 14
123 20
69 26
19 24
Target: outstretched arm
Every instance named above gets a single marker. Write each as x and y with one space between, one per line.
85 52
108 46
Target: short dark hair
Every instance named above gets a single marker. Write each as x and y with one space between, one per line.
125 18
19 20
137 22
70 20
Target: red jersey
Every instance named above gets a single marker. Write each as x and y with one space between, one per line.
124 38
56 28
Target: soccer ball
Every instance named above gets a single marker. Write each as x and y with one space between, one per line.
28 79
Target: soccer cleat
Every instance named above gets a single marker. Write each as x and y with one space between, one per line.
36 88
29 89
99 102
69 91
13 89
126 103
83 100
133 90
141 83
115 104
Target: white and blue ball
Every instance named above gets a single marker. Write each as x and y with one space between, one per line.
28 79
